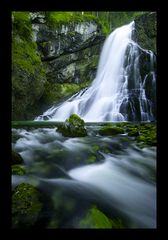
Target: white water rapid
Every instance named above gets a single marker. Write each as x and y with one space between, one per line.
108 93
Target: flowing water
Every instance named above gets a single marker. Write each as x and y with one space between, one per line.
111 172
118 91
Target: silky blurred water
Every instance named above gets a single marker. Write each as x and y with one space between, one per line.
112 172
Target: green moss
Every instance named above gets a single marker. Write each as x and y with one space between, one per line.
95 148
55 92
28 73
133 132
57 18
26 206
109 130
148 135
91 159
74 126
97 219
22 25
25 56
18 170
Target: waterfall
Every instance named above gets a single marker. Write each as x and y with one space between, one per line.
118 90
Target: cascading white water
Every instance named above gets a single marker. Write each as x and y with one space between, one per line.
108 93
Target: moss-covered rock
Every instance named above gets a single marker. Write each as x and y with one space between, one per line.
28 73
133 131
110 130
97 219
148 135
16 158
74 126
55 92
18 170
26 206
146 31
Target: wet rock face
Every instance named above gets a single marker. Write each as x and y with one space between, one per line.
146 31
69 51
140 63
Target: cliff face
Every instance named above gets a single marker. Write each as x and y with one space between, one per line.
28 73
50 62
141 61
146 31
67 54
69 51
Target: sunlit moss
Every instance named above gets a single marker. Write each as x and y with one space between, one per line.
97 219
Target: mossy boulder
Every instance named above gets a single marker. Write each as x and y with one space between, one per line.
97 219
110 130
16 158
18 170
74 126
26 206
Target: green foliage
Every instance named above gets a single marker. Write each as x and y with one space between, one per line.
97 219
111 20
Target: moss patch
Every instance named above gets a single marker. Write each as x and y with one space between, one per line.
26 206
97 219
18 170
54 92
28 73
148 135
109 130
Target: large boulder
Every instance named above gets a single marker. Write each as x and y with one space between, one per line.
74 126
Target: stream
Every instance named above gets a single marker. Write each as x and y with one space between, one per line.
112 172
